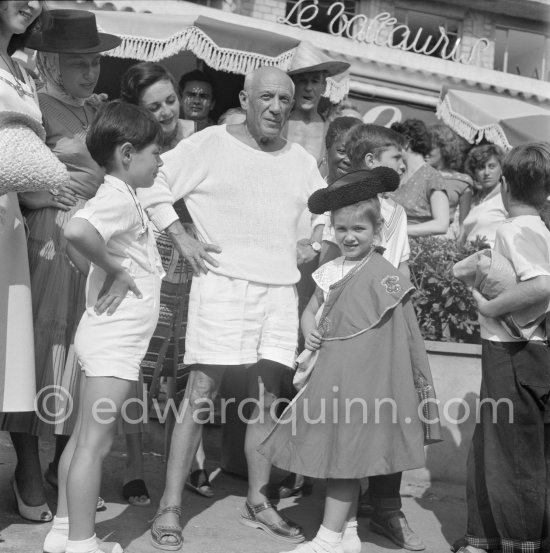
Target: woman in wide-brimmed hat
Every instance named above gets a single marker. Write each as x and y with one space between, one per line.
69 64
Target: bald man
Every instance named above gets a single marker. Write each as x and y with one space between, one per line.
245 187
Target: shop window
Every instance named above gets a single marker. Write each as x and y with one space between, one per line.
521 53
428 24
322 21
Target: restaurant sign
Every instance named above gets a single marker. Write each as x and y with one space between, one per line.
383 30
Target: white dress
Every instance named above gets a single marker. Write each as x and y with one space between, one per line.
17 374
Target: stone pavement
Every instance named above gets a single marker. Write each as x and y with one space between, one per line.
436 511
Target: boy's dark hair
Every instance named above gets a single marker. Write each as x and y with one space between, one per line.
338 127
417 135
366 139
197 75
141 76
118 122
526 169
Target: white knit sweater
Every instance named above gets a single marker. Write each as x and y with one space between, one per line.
244 200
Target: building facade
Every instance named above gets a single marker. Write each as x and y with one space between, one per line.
402 51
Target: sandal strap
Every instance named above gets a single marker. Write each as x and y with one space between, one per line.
199 478
170 509
258 508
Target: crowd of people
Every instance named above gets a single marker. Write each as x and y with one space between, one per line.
181 247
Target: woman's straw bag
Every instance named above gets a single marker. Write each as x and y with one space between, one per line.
26 163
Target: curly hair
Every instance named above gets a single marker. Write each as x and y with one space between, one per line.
17 42
417 135
479 155
453 147
338 127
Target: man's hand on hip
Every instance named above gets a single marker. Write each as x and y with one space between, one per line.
193 251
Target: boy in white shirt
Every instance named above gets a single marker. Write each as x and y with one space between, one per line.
510 453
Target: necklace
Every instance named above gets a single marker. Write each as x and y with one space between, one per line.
85 124
11 67
139 210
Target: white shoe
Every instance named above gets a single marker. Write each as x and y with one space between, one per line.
317 546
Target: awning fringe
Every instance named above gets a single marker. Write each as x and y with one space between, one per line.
336 90
197 41
468 130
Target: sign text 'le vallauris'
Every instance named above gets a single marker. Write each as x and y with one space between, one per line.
382 30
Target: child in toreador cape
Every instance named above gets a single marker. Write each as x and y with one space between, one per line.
359 413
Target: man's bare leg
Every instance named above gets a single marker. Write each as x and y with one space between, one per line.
202 388
264 384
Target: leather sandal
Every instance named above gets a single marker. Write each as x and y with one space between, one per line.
294 485
199 482
160 532
284 529
396 528
134 491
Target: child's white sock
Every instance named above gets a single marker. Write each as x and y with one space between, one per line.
350 540
56 538
330 541
89 545
329 536
92 545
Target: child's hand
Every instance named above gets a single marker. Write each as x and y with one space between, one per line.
482 304
114 290
313 341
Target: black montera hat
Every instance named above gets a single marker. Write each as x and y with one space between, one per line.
352 188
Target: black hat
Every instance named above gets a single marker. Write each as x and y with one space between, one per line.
72 32
352 188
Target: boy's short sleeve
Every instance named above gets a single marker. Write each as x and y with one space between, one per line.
527 248
108 215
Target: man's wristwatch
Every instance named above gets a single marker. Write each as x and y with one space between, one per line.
315 246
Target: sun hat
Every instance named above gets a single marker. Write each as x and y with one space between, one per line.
353 187
72 32
307 59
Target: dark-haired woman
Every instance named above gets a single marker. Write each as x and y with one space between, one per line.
484 164
153 87
422 190
447 156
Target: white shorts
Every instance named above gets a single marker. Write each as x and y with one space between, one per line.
114 345
237 322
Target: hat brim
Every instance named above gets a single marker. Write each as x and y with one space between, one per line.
330 68
106 42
